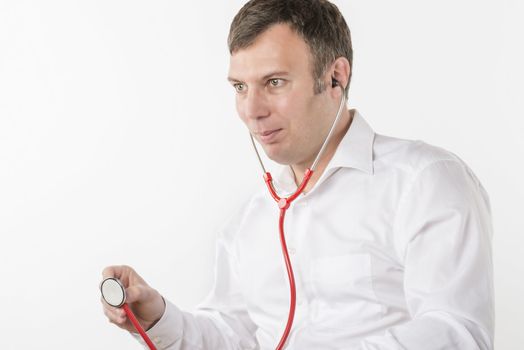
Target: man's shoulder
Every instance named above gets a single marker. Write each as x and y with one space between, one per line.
408 156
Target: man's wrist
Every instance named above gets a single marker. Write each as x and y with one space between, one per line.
152 324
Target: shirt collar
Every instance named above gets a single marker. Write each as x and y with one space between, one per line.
356 147
355 150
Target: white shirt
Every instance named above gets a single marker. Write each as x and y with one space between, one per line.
391 250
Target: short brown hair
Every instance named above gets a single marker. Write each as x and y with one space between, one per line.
318 22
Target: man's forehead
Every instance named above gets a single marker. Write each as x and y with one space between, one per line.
279 48
258 66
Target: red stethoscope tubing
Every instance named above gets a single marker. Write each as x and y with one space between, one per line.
131 316
283 204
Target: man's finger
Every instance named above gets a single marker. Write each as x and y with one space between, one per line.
110 271
111 309
126 274
115 316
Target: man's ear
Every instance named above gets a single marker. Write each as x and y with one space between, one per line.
340 71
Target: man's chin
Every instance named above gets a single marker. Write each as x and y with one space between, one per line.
277 157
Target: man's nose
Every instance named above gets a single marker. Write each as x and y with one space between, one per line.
256 104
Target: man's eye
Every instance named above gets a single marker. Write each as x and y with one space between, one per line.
275 82
239 87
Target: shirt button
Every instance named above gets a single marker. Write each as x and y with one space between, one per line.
292 251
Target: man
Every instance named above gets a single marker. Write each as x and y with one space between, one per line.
390 242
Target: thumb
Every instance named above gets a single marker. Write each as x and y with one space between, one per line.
138 294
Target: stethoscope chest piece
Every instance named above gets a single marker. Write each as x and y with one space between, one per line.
113 292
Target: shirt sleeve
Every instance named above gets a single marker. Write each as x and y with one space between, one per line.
443 232
220 322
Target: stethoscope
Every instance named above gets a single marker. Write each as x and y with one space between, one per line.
284 203
114 293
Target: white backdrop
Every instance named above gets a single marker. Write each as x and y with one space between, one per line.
119 143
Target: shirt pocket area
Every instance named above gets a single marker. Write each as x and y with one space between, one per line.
342 290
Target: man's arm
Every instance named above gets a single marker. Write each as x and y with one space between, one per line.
220 322
443 234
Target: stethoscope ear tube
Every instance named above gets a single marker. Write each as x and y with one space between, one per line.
114 294
324 145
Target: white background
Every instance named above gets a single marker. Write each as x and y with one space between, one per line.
119 143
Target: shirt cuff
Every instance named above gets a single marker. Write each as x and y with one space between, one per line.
167 330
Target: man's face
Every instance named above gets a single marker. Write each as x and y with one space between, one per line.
275 96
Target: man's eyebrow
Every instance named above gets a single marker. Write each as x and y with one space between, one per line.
275 73
233 80
265 77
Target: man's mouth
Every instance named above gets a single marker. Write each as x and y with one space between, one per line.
268 136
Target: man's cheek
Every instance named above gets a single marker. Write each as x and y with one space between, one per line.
240 112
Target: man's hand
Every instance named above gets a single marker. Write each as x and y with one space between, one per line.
147 304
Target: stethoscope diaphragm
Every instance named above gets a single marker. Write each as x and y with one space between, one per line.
113 292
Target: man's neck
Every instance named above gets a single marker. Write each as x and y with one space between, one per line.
340 131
